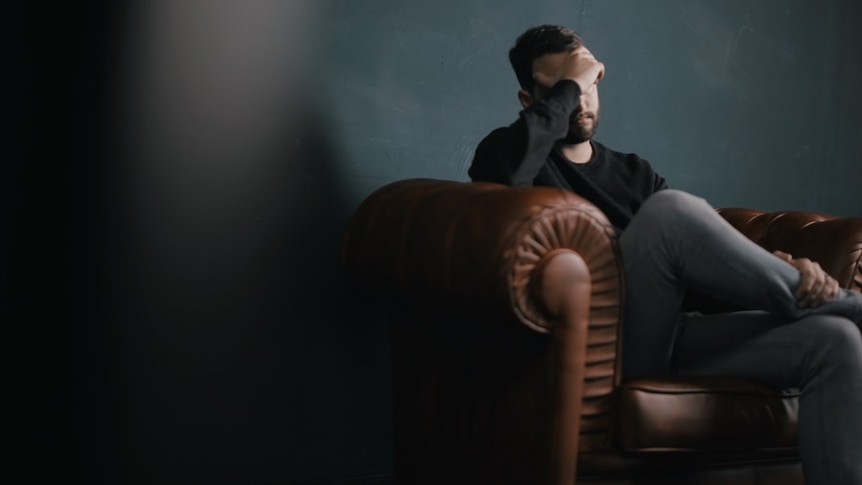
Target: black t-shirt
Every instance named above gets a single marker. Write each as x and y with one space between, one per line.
526 153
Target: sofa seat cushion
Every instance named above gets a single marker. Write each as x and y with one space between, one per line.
705 414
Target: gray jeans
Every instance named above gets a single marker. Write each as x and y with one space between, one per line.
676 241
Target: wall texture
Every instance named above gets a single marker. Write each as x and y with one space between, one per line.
210 154
745 103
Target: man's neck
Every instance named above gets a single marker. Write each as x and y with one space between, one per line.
578 152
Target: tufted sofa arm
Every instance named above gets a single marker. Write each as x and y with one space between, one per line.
486 255
479 244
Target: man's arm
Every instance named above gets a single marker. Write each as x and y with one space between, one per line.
515 154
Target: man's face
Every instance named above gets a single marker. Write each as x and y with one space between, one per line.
584 121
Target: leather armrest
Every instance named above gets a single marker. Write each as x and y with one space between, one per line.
477 244
834 242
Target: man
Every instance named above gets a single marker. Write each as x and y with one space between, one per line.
806 332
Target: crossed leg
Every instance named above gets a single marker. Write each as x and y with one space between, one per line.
677 240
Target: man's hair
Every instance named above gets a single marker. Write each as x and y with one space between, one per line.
535 43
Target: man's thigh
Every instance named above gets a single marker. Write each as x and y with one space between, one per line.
753 345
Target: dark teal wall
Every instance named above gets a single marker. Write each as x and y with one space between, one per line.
187 169
751 104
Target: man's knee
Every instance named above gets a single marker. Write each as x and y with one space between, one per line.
672 210
670 201
834 338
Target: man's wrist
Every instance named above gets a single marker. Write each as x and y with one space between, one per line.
567 92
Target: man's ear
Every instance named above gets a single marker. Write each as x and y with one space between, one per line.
525 98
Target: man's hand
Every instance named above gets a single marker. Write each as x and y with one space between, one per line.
816 286
578 65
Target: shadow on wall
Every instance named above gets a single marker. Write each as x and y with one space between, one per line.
235 357
239 362
214 345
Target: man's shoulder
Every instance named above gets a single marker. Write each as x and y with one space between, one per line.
501 131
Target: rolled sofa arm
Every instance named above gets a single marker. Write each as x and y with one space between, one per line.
834 242
480 244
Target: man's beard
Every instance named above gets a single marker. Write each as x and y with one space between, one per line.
579 133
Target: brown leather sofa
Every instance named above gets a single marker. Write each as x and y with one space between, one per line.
505 308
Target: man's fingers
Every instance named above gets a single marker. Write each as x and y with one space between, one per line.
807 278
811 282
543 79
582 67
582 50
815 284
829 291
815 296
783 256
834 288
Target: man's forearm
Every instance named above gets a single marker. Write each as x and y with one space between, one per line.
514 155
